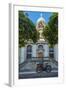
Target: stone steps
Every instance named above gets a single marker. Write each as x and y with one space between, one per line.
28 66
32 65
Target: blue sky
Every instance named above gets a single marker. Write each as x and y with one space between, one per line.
35 15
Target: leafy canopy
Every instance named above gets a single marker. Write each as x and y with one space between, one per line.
27 30
50 31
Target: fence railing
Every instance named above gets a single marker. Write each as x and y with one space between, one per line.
38 59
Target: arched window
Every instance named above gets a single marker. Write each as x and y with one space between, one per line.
40 47
29 51
29 48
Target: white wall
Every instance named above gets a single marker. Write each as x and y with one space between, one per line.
46 50
33 50
21 54
56 52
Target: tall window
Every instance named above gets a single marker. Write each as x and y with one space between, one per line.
51 52
29 51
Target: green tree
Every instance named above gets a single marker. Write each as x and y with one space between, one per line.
50 31
27 30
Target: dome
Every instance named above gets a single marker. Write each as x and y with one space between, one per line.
40 24
41 19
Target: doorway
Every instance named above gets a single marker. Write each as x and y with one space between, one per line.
40 55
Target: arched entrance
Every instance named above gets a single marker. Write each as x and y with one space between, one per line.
40 51
29 52
40 55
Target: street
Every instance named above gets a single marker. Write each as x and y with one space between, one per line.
38 75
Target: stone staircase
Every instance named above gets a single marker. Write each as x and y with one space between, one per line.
31 65
54 63
28 66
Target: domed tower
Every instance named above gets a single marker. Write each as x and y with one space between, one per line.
40 24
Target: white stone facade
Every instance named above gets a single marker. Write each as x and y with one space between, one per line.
23 52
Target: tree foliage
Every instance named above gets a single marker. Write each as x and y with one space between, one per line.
27 30
50 31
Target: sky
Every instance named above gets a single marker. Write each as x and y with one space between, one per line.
35 15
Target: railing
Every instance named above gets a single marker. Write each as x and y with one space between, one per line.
38 59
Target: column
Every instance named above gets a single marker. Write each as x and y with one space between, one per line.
46 50
34 50
21 55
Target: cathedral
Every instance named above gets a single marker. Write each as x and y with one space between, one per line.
40 49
